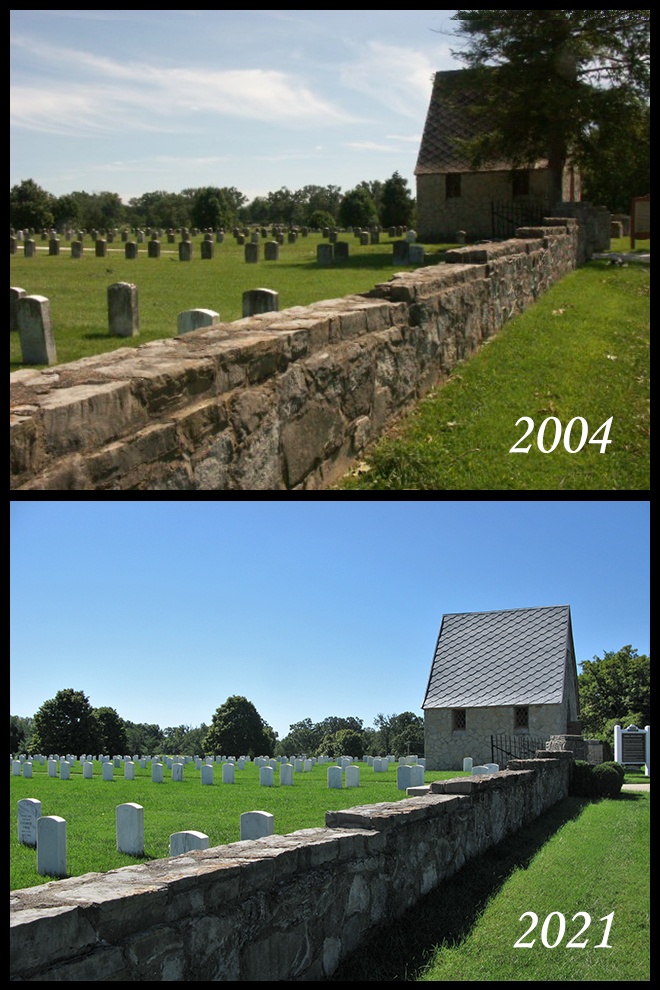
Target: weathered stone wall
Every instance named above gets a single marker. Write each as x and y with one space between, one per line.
279 401
445 748
286 907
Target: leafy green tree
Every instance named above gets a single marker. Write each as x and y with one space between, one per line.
30 206
237 729
112 731
358 209
407 734
396 203
616 159
614 688
144 738
214 207
348 742
559 73
66 724
320 219
20 734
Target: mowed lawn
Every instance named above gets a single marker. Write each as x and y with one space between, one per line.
89 809
77 287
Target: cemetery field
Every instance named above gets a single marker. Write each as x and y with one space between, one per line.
89 809
580 864
77 287
580 357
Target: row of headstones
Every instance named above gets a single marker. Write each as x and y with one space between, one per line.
408 775
404 252
48 834
31 317
469 767
185 248
156 233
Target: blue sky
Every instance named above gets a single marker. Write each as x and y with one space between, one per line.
162 610
134 101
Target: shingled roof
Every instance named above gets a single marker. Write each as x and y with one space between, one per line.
514 657
448 122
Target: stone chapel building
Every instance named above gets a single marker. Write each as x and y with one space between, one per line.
452 195
511 672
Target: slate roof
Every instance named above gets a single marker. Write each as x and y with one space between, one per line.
446 121
514 657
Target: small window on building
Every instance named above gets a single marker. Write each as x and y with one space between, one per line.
452 184
458 720
520 182
521 719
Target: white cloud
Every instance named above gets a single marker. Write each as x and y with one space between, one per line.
399 78
102 94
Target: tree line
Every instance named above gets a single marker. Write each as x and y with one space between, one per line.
68 723
613 689
387 204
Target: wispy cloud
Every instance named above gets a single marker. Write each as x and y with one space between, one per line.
399 78
106 95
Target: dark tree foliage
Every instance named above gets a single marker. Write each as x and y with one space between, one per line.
544 79
112 732
615 688
358 209
396 203
237 729
66 724
30 206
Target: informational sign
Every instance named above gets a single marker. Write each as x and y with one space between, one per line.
632 746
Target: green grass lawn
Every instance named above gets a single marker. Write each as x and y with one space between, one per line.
586 861
89 808
77 287
578 356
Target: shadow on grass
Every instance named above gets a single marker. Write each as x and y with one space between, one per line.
402 949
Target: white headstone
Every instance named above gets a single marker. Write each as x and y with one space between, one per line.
467 764
65 771
334 777
157 773
286 775
108 771
257 824
416 775
352 776
227 773
479 771
177 771
130 829
403 777
51 846
183 842
207 774
129 770
88 769
29 811
266 776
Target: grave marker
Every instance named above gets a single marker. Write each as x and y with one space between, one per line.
130 829
35 330
51 846
29 812
257 824
183 842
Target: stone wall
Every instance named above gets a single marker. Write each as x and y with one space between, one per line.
286 907
281 401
